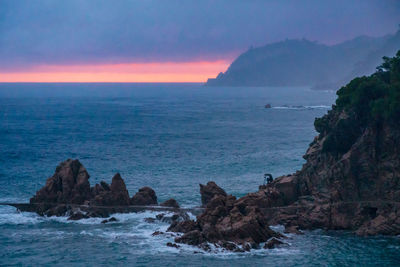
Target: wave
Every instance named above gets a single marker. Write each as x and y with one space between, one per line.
302 107
131 228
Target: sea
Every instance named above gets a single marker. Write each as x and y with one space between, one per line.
171 137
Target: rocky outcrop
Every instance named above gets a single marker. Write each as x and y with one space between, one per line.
69 184
68 192
209 191
145 196
227 222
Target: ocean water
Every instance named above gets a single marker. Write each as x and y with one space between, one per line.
170 137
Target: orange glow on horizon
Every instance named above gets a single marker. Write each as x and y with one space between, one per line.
126 72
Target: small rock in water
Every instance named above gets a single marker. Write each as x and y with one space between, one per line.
268 106
112 219
149 220
157 233
173 245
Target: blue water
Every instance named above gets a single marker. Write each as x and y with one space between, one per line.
170 137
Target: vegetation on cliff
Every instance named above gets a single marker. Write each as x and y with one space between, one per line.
365 101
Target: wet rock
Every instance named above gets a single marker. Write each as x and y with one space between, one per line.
273 243
183 227
226 221
293 229
112 219
175 217
228 245
77 216
59 210
157 233
194 238
170 203
144 197
173 245
150 220
69 184
209 191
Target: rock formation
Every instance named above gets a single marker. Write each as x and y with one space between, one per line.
209 191
69 184
145 196
68 192
227 222
351 178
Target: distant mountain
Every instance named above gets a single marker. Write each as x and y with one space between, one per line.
306 63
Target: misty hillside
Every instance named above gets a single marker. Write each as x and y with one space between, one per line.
306 63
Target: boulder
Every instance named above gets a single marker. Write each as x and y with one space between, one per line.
209 191
144 197
170 203
112 219
69 184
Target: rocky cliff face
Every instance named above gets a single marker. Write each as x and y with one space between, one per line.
351 178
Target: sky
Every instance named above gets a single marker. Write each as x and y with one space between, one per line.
166 40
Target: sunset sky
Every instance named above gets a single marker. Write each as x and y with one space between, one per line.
166 41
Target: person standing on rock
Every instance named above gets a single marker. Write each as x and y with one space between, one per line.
268 178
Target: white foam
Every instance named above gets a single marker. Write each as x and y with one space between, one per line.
302 107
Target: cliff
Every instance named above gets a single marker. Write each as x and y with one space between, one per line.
306 63
351 178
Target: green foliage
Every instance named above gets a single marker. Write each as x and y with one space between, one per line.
366 100
375 97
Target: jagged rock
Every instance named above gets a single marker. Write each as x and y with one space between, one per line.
144 197
194 238
170 203
209 191
114 195
112 219
227 222
69 184
183 227
273 243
